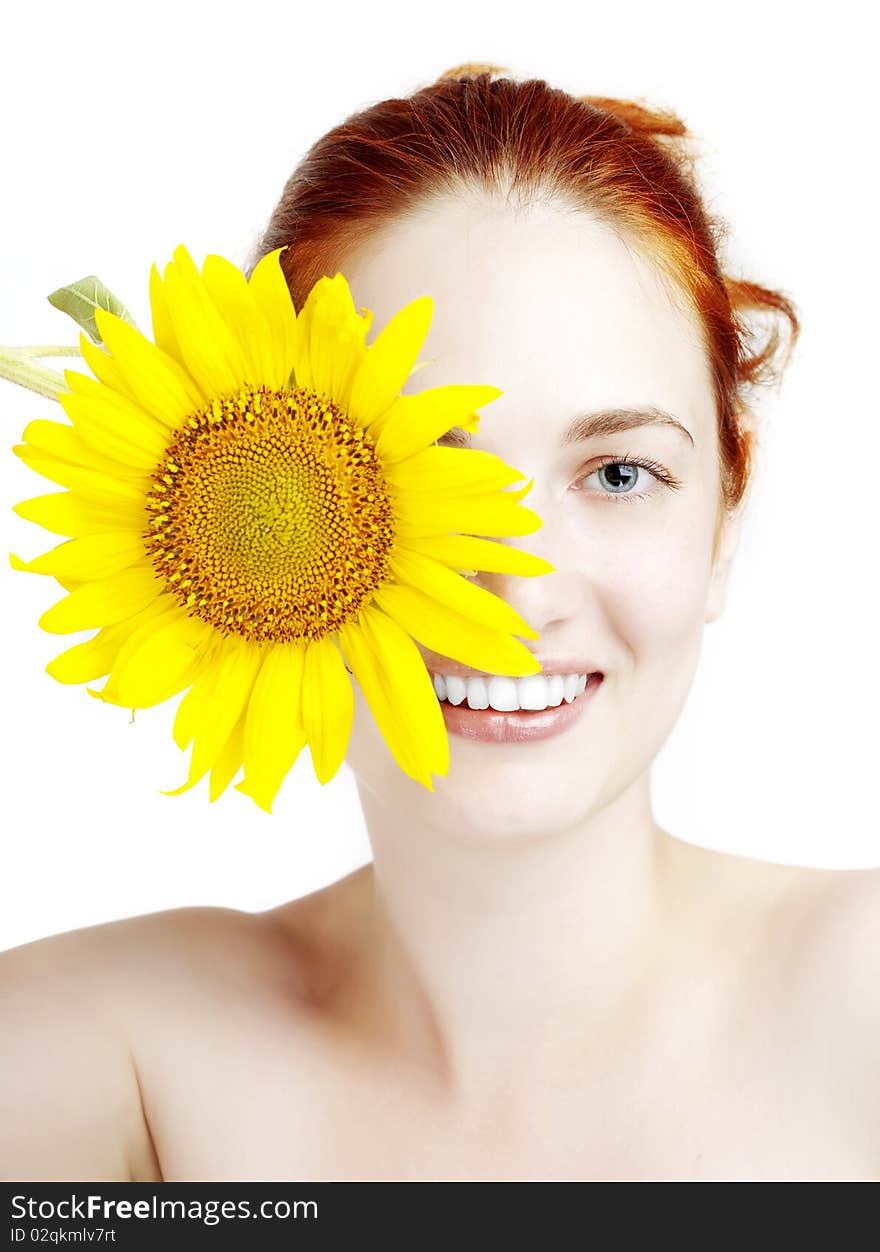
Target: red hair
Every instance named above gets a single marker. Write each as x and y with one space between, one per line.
621 161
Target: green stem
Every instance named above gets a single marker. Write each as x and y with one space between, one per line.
47 350
17 369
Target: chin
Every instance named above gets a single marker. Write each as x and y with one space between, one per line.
493 793
507 801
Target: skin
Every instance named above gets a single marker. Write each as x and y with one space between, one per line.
532 979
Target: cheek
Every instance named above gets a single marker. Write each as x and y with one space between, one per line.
654 588
651 595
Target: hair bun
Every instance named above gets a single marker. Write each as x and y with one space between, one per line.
471 69
641 117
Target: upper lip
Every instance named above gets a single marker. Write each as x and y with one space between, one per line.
549 665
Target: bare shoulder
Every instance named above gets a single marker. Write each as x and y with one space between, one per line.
817 939
76 1007
832 1000
835 937
112 965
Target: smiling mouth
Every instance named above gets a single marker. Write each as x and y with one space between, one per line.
521 725
536 693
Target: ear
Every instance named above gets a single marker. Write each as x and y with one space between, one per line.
726 542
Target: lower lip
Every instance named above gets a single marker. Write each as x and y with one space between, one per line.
493 726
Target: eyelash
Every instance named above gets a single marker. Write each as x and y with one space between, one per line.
659 472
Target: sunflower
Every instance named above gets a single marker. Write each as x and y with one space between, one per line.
254 515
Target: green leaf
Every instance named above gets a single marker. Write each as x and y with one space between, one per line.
79 300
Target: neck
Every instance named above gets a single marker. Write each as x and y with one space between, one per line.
503 955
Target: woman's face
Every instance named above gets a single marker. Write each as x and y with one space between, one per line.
548 305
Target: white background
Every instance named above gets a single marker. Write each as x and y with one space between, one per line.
126 131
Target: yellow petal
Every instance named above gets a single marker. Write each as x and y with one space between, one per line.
87 558
273 732
106 370
94 483
190 710
414 422
229 760
87 661
208 346
272 294
64 442
433 579
456 470
67 513
163 328
397 687
389 360
224 685
352 348
331 340
115 428
498 514
237 665
153 378
302 336
328 314
468 552
115 413
159 659
103 602
229 290
327 706
448 633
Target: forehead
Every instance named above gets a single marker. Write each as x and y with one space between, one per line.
545 302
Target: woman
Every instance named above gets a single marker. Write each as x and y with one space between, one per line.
532 980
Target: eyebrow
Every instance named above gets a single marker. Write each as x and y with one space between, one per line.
599 422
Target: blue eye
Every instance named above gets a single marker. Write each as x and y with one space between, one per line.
618 476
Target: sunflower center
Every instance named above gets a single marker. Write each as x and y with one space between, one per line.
269 515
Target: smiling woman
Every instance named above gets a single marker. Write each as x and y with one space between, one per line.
529 953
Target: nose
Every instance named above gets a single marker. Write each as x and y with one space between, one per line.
548 602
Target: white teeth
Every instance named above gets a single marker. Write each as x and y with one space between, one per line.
477 695
534 692
455 689
503 694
